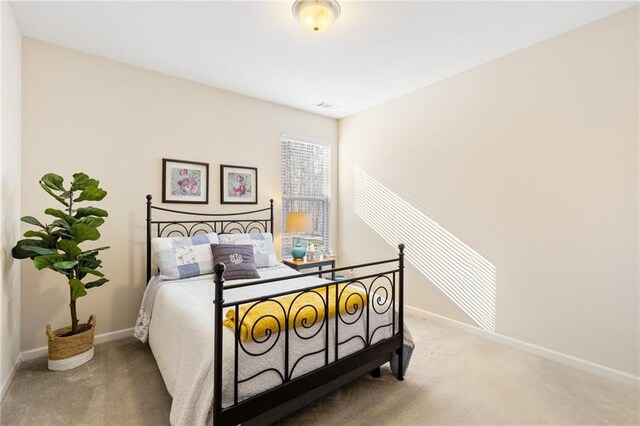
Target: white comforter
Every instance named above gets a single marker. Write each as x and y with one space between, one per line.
181 338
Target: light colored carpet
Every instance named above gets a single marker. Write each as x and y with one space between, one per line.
454 378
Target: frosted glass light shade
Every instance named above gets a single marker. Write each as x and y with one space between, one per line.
316 15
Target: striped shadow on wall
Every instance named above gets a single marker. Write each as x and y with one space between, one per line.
460 272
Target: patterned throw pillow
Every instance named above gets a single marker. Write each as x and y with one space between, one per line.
264 251
237 259
183 257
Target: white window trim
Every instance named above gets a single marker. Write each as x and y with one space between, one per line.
328 198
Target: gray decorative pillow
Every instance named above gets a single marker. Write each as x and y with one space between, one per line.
238 260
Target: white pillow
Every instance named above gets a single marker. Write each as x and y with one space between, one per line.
184 257
264 252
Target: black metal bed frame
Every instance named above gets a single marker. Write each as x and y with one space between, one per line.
384 291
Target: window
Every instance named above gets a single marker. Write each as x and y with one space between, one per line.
306 188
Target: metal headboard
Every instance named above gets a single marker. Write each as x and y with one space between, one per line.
212 222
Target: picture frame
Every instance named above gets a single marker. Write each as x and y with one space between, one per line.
238 184
185 182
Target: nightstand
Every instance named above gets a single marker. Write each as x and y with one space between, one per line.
299 265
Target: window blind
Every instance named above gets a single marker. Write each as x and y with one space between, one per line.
306 188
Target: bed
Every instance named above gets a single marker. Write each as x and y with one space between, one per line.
309 335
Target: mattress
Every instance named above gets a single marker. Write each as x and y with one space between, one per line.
181 338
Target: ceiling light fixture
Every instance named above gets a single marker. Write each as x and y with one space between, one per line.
316 15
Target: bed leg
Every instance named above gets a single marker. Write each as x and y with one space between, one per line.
400 350
218 280
400 364
375 372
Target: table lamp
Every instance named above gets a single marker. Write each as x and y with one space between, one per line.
298 223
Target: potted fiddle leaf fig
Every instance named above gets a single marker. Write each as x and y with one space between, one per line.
55 245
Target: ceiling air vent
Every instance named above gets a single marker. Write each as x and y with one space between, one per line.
326 105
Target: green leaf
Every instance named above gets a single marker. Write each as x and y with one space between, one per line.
92 221
91 271
81 232
80 177
32 220
62 224
49 239
65 264
96 283
88 255
53 181
35 234
91 194
81 181
59 233
86 263
61 215
77 289
41 250
62 233
41 262
90 211
70 248
20 252
89 264
91 252
50 192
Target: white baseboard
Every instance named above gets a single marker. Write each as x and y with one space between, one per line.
9 379
99 338
563 358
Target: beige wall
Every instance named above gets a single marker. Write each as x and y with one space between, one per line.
10 86
532 161
116 123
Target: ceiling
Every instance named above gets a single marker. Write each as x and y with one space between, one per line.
375 51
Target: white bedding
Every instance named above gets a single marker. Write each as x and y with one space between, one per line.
181 338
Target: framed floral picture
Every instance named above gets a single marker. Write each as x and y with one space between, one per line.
185 182
238 185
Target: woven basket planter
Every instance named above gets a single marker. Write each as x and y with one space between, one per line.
71 351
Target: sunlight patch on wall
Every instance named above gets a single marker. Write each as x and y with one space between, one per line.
456 269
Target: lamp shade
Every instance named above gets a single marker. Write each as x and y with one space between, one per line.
298 222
